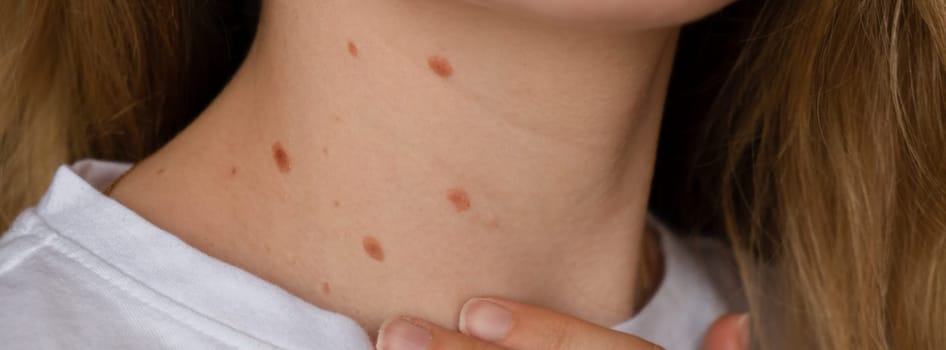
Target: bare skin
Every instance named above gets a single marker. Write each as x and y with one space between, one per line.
339 129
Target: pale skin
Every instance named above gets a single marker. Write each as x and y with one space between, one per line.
339 130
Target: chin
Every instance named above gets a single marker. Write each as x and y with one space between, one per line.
631 14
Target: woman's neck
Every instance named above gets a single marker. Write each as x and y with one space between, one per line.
387 157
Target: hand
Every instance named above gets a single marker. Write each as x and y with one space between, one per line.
536 328
494 324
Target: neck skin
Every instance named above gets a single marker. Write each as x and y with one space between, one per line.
525 174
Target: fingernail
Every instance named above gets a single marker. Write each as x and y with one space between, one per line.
744 329
401 334
485 320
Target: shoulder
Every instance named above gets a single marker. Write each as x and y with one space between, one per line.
38 281
58 295
28 237
81 271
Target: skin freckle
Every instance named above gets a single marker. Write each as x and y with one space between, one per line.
493 224
336 203
373 248
459 198
326 288
440 65
283 163
233 171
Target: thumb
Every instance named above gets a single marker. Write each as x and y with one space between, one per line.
730 332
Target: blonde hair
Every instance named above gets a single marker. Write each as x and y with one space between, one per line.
843 139
830 119
107 79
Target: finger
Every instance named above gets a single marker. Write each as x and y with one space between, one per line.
405 333
730 332
523 327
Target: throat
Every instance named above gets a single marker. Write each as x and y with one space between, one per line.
378 176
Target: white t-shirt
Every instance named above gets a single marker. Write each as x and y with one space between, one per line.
80 271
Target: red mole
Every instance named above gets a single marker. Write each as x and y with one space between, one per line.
282 158
373 248
352 49
459 198
440 65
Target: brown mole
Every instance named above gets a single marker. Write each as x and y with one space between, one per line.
352 48
373 248
161 171
459 198
440 65
233 171
336 203
282 158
